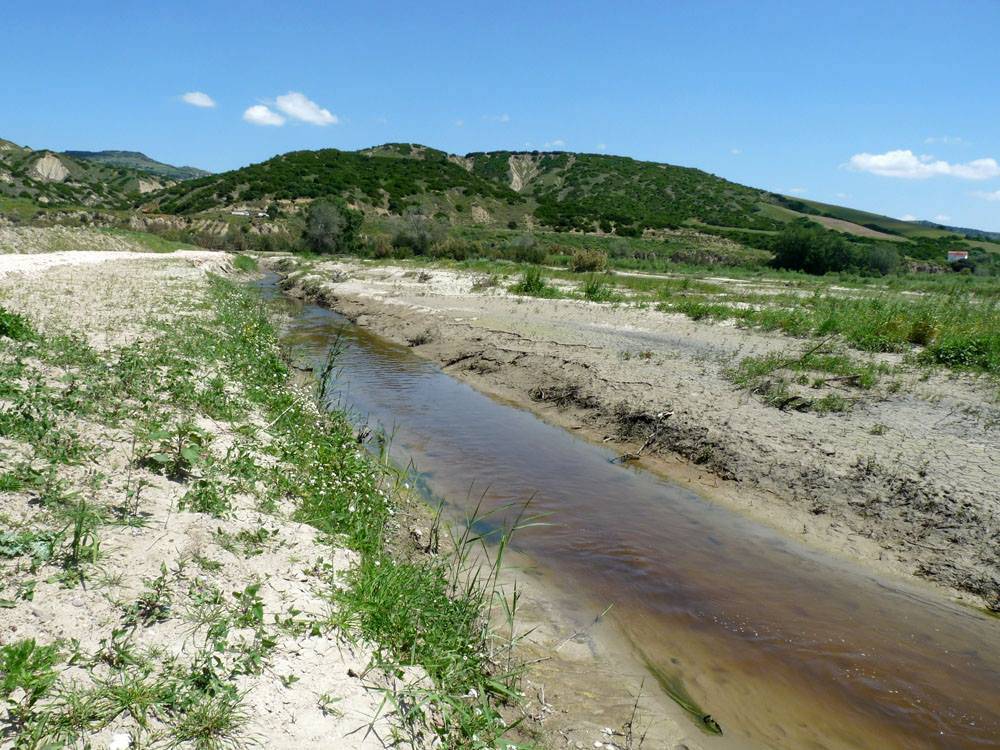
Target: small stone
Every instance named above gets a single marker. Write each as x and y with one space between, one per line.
120 741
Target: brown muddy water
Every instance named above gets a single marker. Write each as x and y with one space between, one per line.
784 647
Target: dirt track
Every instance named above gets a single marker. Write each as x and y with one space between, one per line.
905 481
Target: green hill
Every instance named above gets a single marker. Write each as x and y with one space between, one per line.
587 192
139 162
50 179
388 179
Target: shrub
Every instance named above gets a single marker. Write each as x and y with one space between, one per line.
525 249
880 259
453 248
417 234
588 261
332 227
14 326
379 246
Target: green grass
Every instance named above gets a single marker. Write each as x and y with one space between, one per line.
953 330
595 289
775 376
152 242
245 263
533 284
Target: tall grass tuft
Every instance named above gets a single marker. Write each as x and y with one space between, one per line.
533 284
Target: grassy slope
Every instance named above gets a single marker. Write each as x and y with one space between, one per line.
88 183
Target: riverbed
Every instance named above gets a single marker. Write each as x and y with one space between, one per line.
783 646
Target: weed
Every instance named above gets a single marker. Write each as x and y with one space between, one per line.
14 326
249 611
210 722
246 542
154 604
328 705
40 546
533 284
30 668
596 290
486 281
206 496
175 452
83 544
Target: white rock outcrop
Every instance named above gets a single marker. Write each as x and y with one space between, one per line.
49 168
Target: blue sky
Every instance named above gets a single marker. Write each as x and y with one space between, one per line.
891 107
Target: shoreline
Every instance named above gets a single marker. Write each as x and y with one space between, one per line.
552 369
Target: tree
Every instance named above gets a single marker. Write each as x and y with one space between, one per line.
813 250
332 227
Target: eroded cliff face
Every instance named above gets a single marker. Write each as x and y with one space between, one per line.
523 169
49 168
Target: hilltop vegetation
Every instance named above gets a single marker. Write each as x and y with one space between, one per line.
46 178
139 162
615 193
585 192
375 180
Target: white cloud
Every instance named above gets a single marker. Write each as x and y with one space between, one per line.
459 123
299 107
602 146
907 217
905 164
941 218
198 99
994 196
843 196
948 140
504 118
798 190
736 151
557 143
260 114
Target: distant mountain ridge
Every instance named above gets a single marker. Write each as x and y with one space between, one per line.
975 234
140 162
48 178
